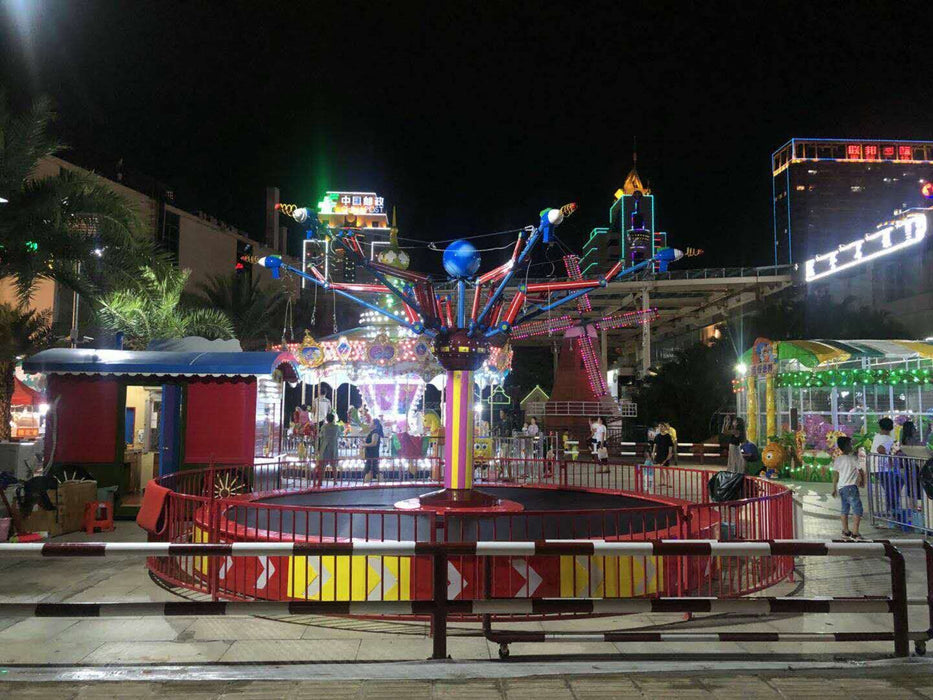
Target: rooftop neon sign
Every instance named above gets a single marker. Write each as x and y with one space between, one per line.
351 203
906 231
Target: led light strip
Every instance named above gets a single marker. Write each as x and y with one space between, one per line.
914 227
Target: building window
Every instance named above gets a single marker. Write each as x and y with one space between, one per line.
171 234
856 188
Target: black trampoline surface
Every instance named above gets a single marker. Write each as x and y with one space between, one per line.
549 514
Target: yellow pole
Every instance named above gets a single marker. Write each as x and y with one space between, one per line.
751 420
770 407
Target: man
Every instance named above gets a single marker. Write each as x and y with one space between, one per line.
847 478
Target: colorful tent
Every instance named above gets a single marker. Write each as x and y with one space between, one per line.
816 353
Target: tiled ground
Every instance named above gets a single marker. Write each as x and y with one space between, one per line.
246 639
770 685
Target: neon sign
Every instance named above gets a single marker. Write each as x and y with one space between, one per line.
351 203
902 233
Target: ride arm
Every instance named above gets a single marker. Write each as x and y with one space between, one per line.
276 265
582 287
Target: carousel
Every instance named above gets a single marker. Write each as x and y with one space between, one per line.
380 371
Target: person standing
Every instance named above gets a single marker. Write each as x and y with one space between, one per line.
327 442
371 447
599 436
736 438
673 434
883 440
847 478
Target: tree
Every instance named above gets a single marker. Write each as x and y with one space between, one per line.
688 390
152 308
22 332
815 316
257 314
54 227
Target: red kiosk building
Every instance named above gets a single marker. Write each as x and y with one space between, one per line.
213 405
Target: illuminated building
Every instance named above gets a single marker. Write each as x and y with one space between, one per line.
358 210
826 191
631 234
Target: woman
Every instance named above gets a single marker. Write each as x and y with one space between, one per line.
599 439
736 439
371 449
909 434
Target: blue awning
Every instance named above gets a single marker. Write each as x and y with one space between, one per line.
162 364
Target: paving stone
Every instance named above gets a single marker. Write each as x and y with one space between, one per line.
339 690
397 690
291 650
154 652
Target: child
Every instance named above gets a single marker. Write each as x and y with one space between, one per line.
847 478
647 471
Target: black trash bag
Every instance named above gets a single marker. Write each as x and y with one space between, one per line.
726 486
926 478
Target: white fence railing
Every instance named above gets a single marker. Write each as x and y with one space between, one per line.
619 409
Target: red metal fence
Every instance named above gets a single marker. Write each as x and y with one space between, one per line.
217 505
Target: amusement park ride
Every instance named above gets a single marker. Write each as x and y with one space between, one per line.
463 329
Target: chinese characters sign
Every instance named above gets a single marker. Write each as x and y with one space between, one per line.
351 203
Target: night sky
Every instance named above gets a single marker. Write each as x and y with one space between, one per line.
471 117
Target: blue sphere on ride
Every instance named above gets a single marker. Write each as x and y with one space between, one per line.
461 259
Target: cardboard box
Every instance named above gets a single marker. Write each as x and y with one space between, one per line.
41 520
72 496
69 500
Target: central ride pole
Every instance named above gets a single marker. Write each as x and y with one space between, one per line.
458 442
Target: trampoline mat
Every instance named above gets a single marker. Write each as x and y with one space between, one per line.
549 514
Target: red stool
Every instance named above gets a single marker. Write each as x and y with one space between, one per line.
98 515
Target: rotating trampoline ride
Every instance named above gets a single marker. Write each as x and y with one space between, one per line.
549 499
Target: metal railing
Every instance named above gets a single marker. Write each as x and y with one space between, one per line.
247 503
896 497
619 409
439 604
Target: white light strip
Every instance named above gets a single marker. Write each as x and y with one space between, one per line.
903 233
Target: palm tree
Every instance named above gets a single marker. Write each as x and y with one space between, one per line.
22 332
52 226
257 314
152 308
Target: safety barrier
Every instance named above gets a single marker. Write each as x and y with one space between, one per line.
439 605
220 505
895 496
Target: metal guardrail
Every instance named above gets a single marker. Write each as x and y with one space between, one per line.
619 409
895 495
438 607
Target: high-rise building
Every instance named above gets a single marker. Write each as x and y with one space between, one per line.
825 191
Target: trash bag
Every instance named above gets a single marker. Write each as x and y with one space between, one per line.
926 478
726 486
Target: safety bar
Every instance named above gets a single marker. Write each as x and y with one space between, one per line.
439 607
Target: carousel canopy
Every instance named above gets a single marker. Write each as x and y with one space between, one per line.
814 353
146 362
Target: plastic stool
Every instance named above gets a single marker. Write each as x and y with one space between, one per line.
98 515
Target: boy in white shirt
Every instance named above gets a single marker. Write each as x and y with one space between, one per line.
847 478
883 440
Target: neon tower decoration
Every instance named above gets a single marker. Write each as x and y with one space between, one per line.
462 337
